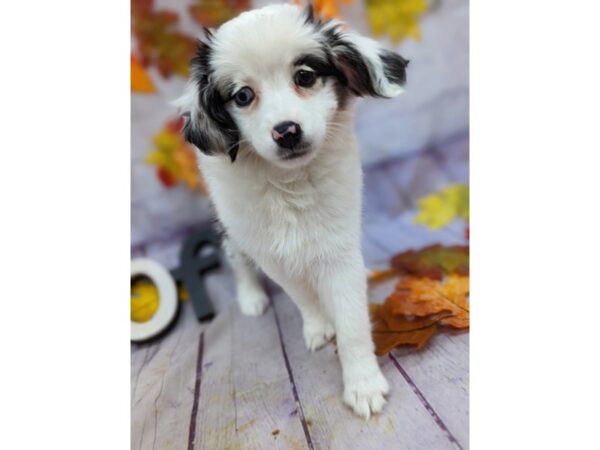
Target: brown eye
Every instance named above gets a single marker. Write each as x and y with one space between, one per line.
305 78
244 96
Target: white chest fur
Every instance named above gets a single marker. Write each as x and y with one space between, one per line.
293 219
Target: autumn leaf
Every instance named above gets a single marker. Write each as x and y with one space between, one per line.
439 209
159 43
327 9
140 80
403 331
434 261
422 297
213 13
417 309
399 19
175 159
381 275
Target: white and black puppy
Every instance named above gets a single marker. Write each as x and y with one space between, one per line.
269 107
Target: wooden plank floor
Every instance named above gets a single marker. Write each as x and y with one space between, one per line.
249 383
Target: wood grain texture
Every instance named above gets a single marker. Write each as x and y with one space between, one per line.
163 386
246 400
404 423
441 373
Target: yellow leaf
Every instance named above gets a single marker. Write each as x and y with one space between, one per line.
399 19
176 157
439 209
186 161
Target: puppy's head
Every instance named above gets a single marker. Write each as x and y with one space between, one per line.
271 81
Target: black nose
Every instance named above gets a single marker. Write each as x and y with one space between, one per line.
287 134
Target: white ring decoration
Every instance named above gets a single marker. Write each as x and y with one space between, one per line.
167 299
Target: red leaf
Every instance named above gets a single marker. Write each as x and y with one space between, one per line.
165 177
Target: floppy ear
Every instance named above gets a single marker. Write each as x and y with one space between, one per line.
367 68
208 125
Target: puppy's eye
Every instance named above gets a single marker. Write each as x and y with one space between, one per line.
305 78
244 96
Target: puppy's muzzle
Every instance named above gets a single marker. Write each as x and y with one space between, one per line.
287 134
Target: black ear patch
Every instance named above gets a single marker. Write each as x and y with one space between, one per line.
350 62
362 73
213 104
394 67
195 136
209 126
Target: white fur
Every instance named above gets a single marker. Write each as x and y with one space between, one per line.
298 220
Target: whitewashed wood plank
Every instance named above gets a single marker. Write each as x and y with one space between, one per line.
441 373
404 423
164 374
163 387
246 400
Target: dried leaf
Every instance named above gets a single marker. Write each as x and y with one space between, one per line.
391 331
417 332
140 80
213 13
159 43
434 261
439 209
175 159
417 308
397 19
424 297
381 275
327 9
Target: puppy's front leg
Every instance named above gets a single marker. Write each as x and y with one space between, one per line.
343 291
251 297
317 329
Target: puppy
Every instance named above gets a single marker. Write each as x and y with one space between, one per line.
269 106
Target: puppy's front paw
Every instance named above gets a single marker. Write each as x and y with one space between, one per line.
317 333
252 302
364 393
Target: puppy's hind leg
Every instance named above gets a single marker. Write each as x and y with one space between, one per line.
250 295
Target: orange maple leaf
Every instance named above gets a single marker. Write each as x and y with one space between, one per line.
140 80
213 13
327 9
417 308
159 41
175 159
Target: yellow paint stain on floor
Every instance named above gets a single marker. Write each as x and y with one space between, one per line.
295 444
246 425
389 428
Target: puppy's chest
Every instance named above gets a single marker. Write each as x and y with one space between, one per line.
277 221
